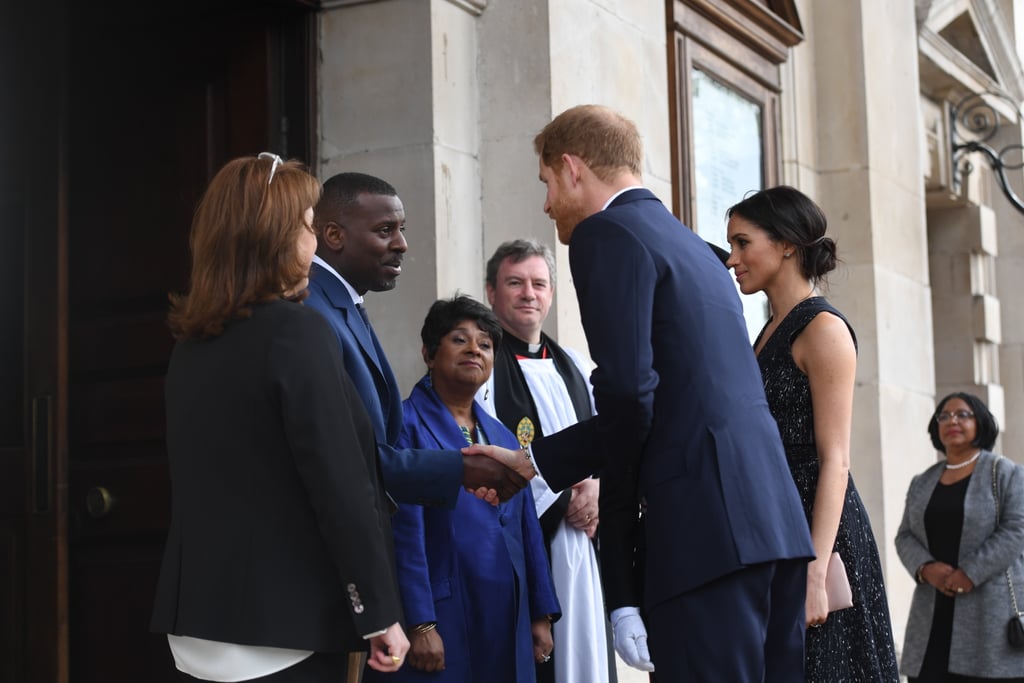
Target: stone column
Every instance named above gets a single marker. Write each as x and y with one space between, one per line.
966 310
542 57
1008 269
399 100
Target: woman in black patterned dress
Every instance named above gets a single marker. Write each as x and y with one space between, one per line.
809 363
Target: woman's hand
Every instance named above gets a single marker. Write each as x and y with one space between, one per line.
816 604
957 583
542 643
935 574
426 651
387 651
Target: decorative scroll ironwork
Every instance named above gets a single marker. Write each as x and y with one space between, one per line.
974 123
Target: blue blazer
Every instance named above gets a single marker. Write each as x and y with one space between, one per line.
481 572
410 476
683 426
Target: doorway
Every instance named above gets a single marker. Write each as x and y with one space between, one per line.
154 98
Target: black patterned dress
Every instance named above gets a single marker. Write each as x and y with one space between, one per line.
854 645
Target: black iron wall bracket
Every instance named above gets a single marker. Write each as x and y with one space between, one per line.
974 122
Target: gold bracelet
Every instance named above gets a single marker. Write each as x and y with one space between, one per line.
425 627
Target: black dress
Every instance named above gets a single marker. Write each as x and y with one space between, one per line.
943 522
854 645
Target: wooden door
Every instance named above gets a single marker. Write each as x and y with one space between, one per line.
156 97
32 354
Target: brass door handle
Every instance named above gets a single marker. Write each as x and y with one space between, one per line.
99 502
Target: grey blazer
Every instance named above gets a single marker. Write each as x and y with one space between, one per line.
987 548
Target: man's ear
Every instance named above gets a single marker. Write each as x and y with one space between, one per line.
333 236
574 166
426 359
490 294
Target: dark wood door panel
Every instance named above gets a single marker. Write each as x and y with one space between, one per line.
132 341
111 598
117 410
119 499
160 97
120 114
12 551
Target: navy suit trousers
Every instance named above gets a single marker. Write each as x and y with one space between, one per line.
745 627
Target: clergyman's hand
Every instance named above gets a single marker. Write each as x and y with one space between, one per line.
583 507
515 460
479 472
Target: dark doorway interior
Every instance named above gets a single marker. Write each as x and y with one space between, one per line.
155 98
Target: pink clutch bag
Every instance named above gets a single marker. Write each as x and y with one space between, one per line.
837 586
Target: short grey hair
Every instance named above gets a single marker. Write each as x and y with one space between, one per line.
519 251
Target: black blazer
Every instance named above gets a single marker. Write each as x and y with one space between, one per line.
279 534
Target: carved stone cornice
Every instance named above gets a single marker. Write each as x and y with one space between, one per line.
474 7
754 23
944 68
946 73
991 22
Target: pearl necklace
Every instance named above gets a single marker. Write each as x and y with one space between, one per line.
964 463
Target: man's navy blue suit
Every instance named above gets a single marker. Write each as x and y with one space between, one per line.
421 477
683 429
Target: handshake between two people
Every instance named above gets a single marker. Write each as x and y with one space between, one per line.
495 474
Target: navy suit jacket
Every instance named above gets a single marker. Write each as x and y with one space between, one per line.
421 477
683 425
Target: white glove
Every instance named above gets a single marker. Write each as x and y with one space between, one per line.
631 638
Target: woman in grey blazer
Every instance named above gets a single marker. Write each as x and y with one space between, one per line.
959 551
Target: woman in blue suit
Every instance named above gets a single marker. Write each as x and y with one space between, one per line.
475 583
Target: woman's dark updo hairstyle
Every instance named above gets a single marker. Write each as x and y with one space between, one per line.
986 427
788 215
446 314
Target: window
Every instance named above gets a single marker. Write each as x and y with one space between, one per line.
724 90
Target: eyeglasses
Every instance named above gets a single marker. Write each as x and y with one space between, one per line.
958 415
276 161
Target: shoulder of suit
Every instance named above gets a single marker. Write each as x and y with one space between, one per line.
1006 469
326 289
292 316
932 471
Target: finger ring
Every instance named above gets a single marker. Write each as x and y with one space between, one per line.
547 658
396 659
959 589
588 518
815 625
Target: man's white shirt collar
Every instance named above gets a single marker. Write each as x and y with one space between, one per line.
326 266
614 196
